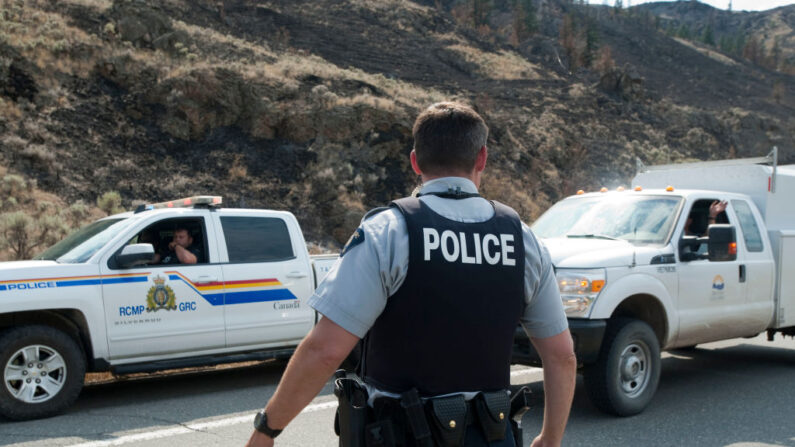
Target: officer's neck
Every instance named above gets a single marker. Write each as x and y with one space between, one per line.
473 176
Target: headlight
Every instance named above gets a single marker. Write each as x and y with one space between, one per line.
579 289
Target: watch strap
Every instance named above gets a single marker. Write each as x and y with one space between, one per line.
261 425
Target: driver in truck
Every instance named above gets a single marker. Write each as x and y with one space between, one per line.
695 225
181 248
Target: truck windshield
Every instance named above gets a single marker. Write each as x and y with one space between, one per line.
82 244
640 220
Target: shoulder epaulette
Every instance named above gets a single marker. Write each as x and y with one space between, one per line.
373 212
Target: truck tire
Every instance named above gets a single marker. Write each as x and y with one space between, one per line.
625 376
43 372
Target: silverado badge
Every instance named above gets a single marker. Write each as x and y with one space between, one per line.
160 296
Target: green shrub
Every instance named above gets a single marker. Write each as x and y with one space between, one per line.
110 203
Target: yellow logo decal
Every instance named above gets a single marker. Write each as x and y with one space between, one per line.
160 296
717 283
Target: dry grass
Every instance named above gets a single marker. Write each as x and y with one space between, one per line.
9 110
707 52
514 192
99 5
385 104
44 38
505 65
578 90
238 170
260 50
388 5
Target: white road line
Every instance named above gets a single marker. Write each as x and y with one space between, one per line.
528 370
191 428
203 426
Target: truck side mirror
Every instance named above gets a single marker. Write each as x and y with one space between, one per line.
135 254
722 243
688 248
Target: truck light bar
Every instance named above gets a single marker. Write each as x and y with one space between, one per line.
195 201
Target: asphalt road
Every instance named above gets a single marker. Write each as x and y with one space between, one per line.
738 393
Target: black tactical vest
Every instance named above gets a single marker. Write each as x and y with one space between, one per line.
450 326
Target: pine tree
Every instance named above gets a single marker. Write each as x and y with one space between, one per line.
480 12
530 17
526 20
708 36
753 51
775 57
725 44
591 43
684 32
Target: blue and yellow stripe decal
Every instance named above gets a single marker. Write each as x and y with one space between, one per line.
71 281
220 293
216 293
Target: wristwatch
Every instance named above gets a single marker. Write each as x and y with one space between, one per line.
261 424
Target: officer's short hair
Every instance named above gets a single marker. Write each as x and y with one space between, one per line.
448 136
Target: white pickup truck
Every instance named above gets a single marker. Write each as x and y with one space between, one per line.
644 269
97 301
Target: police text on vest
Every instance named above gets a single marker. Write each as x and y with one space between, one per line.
469 248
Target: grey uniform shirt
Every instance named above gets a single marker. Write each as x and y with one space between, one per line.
355 291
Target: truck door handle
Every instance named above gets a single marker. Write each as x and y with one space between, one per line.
297 275
742 272
205 279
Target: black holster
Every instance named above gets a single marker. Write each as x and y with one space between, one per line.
351 418
520 403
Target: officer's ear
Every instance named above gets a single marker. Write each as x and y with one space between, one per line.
480 161
414 164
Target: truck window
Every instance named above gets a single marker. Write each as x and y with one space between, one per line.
82 244
697 221
256 239
640 220
160 234
751 234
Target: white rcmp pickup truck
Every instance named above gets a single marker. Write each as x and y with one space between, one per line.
96 301
645 269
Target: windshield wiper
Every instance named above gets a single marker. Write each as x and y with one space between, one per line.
594 236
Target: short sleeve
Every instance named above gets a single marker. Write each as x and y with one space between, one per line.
355 291
543 315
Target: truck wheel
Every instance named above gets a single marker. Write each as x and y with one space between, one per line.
43 372
625 376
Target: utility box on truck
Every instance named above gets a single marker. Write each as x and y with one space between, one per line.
692 253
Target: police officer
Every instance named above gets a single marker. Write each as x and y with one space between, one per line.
436 285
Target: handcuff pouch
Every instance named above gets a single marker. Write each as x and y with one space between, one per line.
492 410
449 419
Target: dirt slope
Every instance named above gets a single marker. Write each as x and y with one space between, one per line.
308 106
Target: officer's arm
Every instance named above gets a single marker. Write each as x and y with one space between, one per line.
315 360
184 255
560 373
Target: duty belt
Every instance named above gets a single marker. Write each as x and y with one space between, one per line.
408 421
